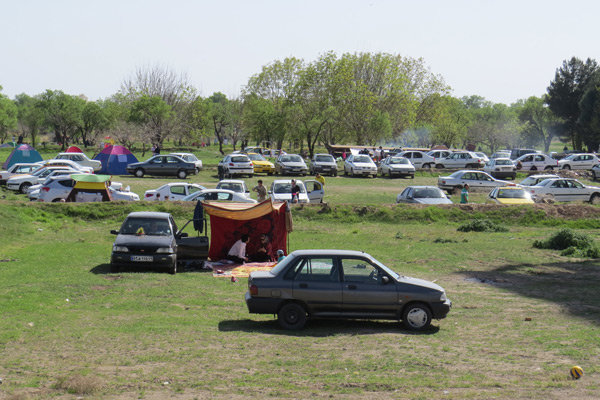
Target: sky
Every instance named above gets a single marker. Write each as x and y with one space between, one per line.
503 50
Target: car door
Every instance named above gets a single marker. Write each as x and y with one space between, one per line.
177 192
485 181
577 192
315 191
154 165
316 282
416 159
560 190
364 290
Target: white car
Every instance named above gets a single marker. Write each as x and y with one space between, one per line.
218 195
564 189
477 180
360 164
483 156
172 191
423 195
236 164
189 157
80 159
460 159
438 154
33 192
596 172
22 183
579 161
536 162
396 165
533 180
501 168
58 188
235 185
419 159
17 169
68 163
311 191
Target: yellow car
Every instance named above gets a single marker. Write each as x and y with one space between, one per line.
261 164
509 195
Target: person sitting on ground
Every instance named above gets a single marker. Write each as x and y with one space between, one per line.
264 251
237 252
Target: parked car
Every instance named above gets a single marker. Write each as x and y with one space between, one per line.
360 164
22 183
460 159
172 191
33 191
564 189
483 156
235 185
163 165
419 159
579 161
68 164
290 164
218 195
501 168
281 190
310 284
18 169
324 164
516 153
272 153
439 154
477 180
423 195
509 195
261 164
236 165
596 172
532 180
58 188
395 165
151 240
81 159
189 157
536 162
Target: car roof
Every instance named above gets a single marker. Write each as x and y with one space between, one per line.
149 214
320 252
231 181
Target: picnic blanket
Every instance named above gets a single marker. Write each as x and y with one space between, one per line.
228 269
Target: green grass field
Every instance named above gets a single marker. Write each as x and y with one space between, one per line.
521 317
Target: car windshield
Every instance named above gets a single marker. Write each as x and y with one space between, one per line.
363 159
291 158
146 226
513 194
240 159
428 193
398 160
324 158
503 162
235 187
190 157
286 187
256 157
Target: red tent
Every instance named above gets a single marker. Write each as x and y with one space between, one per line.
229 221
74 149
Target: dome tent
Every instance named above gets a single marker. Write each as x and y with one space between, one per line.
114 160
22 154
74 149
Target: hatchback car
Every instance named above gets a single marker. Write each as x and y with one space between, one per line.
396 166
361 165
172 191
189 157
163 165
324 164
596 172
261 164
579 161
477 180
460 159
290 164
423 195
509 195
235 185
311 191
418 159
501 168
236 164
311 284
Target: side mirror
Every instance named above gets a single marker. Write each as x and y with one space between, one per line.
113 232
181 235
385 279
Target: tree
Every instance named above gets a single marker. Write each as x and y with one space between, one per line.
8 116
450 121
151 113
219 115
263 121
31 116
540 124
566 91
62 113
589 117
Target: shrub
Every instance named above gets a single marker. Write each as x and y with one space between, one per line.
481 225
571 243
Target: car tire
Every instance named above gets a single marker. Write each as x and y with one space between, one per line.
566 166
439 166
533 168
56 200
548 168
292 316
173 267
416 317
139 173
345 172
595 199
24 186
390 174
181 174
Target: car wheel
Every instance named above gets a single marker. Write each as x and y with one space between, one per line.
345 172
412 177
416 317
56 200
139 173
390 174
292 316
181 174
548 168
24 186
352 172
173 267
566 166
426 166
533 168
595 199
269 173
439 166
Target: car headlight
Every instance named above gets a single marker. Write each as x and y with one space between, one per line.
164 250
443 297
120 249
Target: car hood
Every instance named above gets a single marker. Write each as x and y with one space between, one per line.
144 240
420 282
515 201
364 164
441 200
293 164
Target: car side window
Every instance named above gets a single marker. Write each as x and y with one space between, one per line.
178 190
316 270
360 271
193 189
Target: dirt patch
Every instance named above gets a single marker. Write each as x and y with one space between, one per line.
567 211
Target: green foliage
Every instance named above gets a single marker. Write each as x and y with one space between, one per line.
571 243
481 225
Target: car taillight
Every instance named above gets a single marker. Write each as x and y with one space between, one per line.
443 182
149 194
253 289
231 164
45 189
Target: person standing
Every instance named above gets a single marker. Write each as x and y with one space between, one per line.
319 178
237 252
295 191
261 191
464 194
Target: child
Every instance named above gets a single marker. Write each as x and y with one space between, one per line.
280 255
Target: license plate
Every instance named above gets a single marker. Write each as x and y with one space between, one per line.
142 258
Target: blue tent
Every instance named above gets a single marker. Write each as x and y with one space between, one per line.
114 160
24 153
